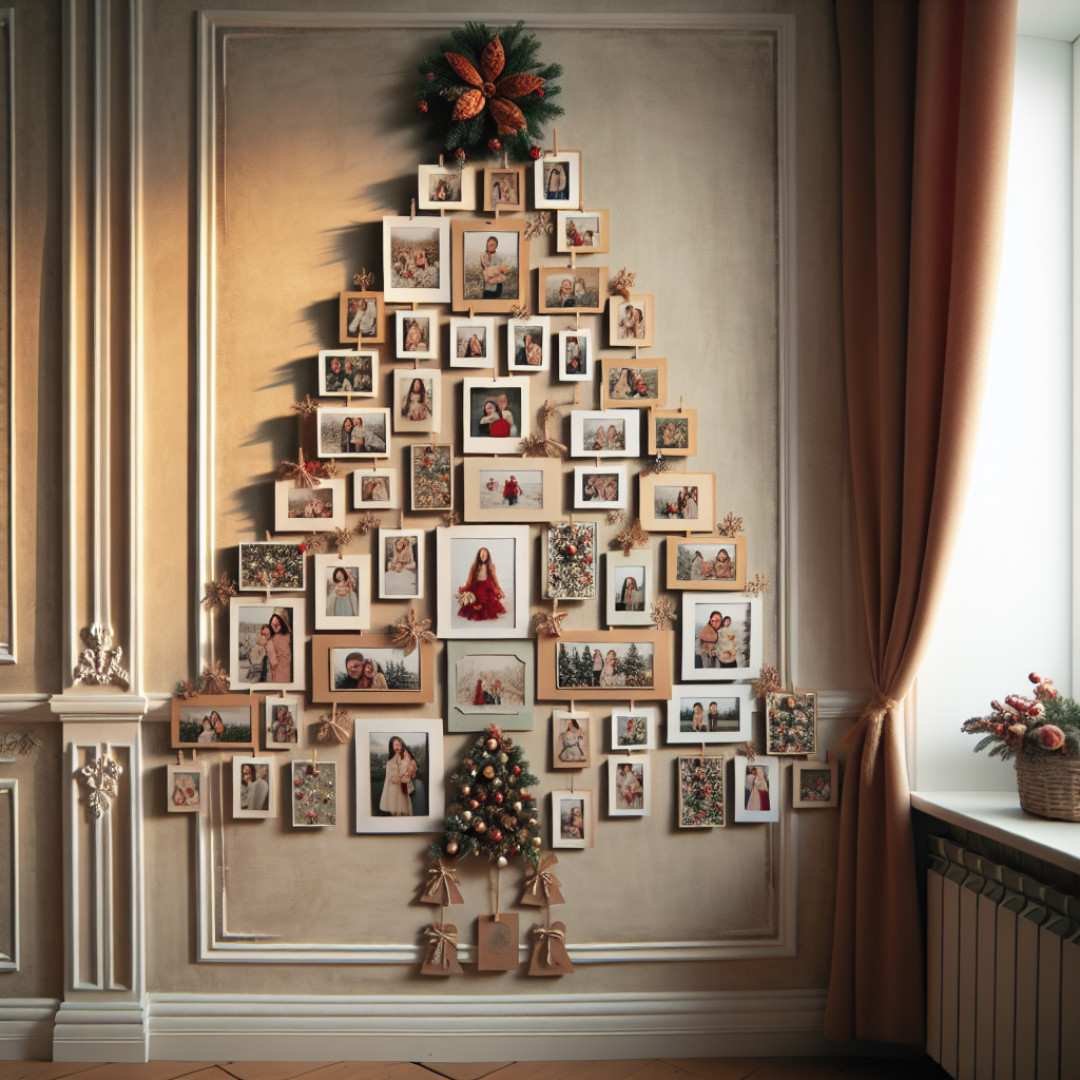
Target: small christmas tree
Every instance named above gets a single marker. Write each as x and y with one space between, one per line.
490 810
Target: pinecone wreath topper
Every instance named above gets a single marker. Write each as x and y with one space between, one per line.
486 88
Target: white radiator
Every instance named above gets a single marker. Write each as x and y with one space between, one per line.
1003 971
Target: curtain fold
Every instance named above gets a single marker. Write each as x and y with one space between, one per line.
925 108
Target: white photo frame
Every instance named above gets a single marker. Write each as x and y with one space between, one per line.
469 333
333 595
545 196
417 411
704 658
283 719
416 334
342 371
764 786
517 347
575 830
404 240
593 487
252 657
320 817
185 787
592 430
380 807
629 587
733 721
338 426
377 488
437 184
399 579
458 553
309 509
577 354
629 783
511 416
254 794
634 728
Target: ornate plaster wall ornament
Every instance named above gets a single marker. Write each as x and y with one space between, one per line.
102 777
100 662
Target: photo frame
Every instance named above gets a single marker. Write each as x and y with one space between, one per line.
671 432
640 674
478 596
348 373
214 722
356 433
283 718
254 787
629 785
632 321
557 180
342 592
185 787
528 343
503 489
266 642
605 433
571 739
504 188
446 187
582 232
313 793
401 558
570 562
701 782
369 669
757 791
677 502
571 290
601 487
431 471
416 334
577 354
633 383
399 790
714 563
417 401
416 259
629 587
490 682
491 264
361 318
692 718
728 647
271 566
472 341
791 718
634 728
496 414
572 819
377 488
309 509
815 785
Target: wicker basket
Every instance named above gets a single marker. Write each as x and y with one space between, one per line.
1049 787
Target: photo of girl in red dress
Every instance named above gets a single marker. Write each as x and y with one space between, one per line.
480 598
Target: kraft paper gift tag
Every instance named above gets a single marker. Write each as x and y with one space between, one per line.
441 958
496 942
542 887
441 886
549 955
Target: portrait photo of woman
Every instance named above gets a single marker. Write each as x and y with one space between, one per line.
480 597
262 644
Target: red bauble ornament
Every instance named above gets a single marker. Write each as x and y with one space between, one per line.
498 798
494 145
422 105
474 804
430 76
515 849
516 770
571 549
496 835
535 153
524 794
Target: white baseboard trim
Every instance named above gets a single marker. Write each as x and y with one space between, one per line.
86 1030
451 1027
26 1026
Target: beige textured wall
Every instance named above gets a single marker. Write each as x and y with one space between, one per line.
677 135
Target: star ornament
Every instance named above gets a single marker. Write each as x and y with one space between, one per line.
490 89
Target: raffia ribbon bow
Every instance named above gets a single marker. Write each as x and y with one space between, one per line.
442 885
298 471
442 942
541 879
546 935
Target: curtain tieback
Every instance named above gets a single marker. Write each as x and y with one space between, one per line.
870 721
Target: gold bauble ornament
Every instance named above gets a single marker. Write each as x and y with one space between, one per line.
467 815
535 841
504 758
466 789
517 808
480 825
452 847
489 771
496 783
492 744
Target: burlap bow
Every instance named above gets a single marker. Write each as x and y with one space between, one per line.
546 935
542 881
442 886
442 941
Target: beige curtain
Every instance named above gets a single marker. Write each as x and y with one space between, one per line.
925 103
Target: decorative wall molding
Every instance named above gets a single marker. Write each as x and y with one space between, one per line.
100 1031
102 780
100 663
26 1027
9 793
9 648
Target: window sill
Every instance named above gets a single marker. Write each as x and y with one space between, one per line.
997 816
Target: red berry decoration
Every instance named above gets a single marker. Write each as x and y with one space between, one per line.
539 91
494 145
496 835
422 105
459 153
535 153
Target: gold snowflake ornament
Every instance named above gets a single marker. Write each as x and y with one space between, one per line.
663 613
409 631
218 593
307 406
730 525
631 536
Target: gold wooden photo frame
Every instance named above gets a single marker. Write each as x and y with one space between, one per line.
677 502
623 665
513 489
214 722
713 563
362 669
632 321
504 188
672 432
366 311
582 232
638 383
570 290
490 261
